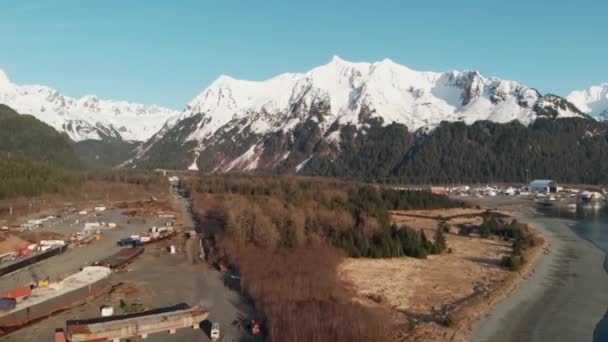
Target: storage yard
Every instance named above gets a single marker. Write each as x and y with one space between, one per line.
145 258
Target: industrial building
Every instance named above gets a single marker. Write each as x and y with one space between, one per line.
543 185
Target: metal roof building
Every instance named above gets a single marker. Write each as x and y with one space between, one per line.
543 185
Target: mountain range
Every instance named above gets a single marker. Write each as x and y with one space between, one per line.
229 126
87 117
302 122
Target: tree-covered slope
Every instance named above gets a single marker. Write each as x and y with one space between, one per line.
105 152
26 137
569 150
23 177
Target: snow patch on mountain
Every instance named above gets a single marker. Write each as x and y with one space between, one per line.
303 163
593 101
87 117
193 166
247 161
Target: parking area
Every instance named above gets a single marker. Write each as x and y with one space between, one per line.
155 279
71 261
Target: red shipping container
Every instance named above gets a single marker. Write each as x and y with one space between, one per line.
17 293
59 336
25 252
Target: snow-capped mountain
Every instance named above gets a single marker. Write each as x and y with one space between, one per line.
388 90
593 101
227 126
85 118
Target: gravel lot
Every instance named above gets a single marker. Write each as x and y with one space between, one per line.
160 279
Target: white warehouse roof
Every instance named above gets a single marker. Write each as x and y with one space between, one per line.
542 183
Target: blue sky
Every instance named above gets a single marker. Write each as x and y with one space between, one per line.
166 52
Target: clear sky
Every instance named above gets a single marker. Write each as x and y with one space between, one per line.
166 52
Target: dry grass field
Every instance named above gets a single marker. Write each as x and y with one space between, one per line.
422 291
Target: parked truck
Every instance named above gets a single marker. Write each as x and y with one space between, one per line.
129 241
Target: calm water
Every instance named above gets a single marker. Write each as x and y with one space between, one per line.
591 224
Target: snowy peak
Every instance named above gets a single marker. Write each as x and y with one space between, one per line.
384 90
4 80
87 117
593 101
286 120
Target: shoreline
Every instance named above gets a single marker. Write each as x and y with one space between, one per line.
474 307
565 287
484 305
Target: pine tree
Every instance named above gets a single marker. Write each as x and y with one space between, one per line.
440 243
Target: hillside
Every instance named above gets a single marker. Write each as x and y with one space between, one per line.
27 178
104 153
569 150
24 136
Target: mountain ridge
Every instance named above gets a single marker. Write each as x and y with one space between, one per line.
87 117
593 100
338 94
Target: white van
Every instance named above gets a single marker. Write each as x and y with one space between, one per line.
215 331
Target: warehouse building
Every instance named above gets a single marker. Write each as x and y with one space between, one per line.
543 185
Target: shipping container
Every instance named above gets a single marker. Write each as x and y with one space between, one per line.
7 304
59 335
17 293
107 311
25 252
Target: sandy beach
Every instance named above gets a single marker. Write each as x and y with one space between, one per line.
564 297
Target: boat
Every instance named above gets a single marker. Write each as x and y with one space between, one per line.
121 258
141 324
20 263
44 301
